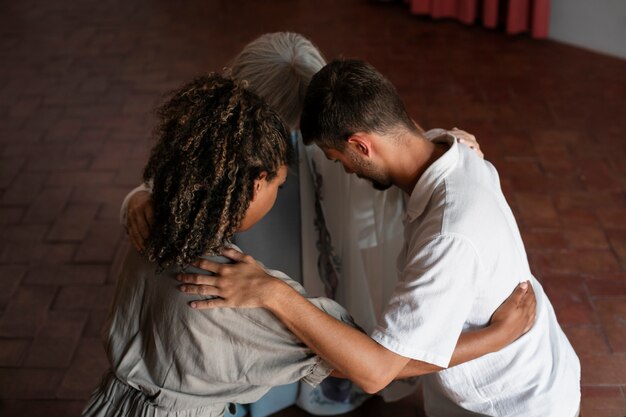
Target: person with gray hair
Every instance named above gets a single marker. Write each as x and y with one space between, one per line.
279 67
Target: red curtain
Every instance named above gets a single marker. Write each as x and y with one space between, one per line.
521 15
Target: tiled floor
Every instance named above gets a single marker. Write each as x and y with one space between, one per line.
78 81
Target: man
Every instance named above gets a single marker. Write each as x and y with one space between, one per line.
462 256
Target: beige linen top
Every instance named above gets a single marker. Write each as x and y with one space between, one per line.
168 359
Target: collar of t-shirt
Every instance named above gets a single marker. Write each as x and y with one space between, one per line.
434 174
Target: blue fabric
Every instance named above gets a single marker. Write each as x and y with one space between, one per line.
332 397
275 400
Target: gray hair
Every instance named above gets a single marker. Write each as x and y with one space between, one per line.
278 67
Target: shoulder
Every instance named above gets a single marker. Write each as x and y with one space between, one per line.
444 242
464 201
441 254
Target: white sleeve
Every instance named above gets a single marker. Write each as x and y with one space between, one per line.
432 301
124 208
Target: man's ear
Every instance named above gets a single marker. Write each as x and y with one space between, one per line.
361 143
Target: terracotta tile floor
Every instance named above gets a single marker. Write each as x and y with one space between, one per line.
78 81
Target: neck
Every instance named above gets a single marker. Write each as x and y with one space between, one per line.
412 158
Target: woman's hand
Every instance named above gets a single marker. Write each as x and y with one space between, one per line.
467 139
516 315
139 218
512 319
243 284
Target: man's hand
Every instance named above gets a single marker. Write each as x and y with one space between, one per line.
517 314
139 218
244 284
467 139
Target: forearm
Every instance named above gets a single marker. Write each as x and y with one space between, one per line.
471 345
353 354
476 343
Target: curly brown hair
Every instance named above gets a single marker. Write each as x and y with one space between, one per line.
214 139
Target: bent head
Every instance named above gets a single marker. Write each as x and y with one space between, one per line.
220 156
347 104
278 67
355 161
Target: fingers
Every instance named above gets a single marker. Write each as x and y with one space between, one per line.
198 279
533 300
517 297
149 216
521 292
207 265
135 239
140 218
465 136
206 304
473 146
531 292
205 290
138 230
204 285
468 139
235 255
529 305
141 225
222 268
529 295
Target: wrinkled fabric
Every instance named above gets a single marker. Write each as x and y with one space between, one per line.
463 256
168 359
351 236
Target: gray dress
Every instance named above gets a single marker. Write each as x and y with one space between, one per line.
168 359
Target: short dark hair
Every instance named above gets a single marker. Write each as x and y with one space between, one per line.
214 139
348 96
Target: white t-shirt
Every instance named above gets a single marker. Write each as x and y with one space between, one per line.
463 256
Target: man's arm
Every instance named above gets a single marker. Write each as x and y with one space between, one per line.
350 352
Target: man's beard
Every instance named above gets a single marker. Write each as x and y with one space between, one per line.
365 169
380 186
367 172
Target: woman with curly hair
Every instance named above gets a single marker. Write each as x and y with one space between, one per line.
220 157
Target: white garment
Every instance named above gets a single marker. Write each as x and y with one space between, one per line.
365 228
364 235
463 256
